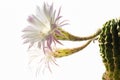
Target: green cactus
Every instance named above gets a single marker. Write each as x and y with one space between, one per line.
109 43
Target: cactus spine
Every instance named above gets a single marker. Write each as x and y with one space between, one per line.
109 43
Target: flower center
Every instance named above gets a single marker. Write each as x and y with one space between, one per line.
44 33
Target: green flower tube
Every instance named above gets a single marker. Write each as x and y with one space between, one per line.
68 51
64 35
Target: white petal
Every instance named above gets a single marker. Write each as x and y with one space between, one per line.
29 29
39 44
30 45
41 15
36 22
26 41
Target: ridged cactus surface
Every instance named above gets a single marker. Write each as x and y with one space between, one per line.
109 43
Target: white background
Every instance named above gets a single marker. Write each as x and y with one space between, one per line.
85 17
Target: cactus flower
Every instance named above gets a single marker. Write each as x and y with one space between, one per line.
44 26
41 61
46 60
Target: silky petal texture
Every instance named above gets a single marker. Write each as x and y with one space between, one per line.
38 23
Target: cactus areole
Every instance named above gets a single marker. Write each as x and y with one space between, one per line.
109 43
